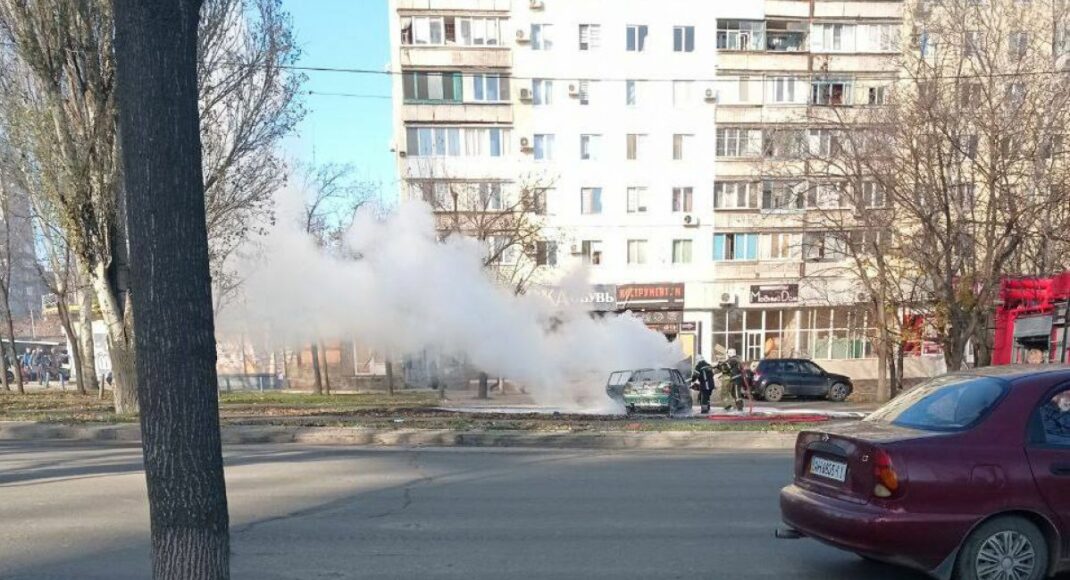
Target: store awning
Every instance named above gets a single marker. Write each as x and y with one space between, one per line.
1033 326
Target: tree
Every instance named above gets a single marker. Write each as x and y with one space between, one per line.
156 58
59 106
7 259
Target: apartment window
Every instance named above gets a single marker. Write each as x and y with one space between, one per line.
456 141
735 247
450 30
636 144
680 145
591 200
537 204
743 89
831 92
504 250
785 36
864 241
833 38
542 37
782 89
872 194
542 91
490 88
432 86
783 143
590 36
973 43
584 89
825 196
490 195
591 250
682 199
681 251
826 142
683 39
878 38
877 95
590 146
545 253
1015 94
777 246
682 94
631 93
971 94
1018 44
741 35
927 44
479 31
735 195
637 252
967 145
544 146
738 142
780 196
822 247
637 200
636 41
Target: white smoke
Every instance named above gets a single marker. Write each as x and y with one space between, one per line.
407 292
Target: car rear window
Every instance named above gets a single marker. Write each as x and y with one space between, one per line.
951 403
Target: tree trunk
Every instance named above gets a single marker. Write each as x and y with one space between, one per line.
389 376
11 333
88 366
484 389
326 373
72 339
317 385
175 366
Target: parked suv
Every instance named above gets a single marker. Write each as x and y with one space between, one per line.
776 378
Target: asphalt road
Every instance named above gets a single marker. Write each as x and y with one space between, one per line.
79 511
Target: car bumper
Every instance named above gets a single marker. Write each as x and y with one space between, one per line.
646 402
917 541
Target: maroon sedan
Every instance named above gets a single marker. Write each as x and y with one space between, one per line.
966 476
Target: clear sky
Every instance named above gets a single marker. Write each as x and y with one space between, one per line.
346 34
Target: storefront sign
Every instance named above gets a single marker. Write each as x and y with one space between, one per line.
688 327
602 297
1033 326
661 316
650 297
774 294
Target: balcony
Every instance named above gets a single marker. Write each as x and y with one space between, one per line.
475 5
496 57
498 113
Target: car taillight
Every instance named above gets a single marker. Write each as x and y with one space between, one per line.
887 480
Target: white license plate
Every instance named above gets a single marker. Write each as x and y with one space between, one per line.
835 470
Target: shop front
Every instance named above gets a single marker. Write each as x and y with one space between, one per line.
661 307
1032 321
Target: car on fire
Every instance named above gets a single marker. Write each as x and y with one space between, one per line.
965 477
654 389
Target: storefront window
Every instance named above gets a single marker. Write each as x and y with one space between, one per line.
817 333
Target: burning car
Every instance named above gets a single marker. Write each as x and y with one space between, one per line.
659 389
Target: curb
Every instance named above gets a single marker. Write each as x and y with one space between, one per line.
252 434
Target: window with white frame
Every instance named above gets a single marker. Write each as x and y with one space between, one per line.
778 246
542 92
680 144
831 92
927 44
490 88
636 38
591 200
878 37
537 201
973 43
490 196
591 250
682 199
782 196
1017 44
825 195
590 147
817 333
783 90
832 37
637 252
740 34
545 253
783 143
735 195
431 86
867 241
826 142
681 251
504 250
872 194
636 144
743 89
450 30
683 39
735 247
738 142
544 146
631 92
637 200
456 141
785 35
877 95
683 94
542 37
585 88
590 36
822 247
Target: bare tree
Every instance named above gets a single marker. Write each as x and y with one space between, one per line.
8 255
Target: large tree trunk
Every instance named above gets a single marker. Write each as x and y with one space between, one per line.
326 373
88 366
11 334
118 318
484 386
156 50
72 339
317 385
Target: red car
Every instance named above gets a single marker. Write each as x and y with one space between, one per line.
966 476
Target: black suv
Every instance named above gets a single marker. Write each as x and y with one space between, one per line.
776 378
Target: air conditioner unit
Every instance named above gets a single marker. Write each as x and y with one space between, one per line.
728 299
521 35
573 90
576 249
525 144
711 95
536 5
525 95
690 220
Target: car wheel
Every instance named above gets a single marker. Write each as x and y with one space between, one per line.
838 392
1010 548
773 392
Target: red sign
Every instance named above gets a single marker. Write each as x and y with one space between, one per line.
650 297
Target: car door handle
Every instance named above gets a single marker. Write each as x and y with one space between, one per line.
1061 469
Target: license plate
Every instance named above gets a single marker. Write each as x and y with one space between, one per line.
834 470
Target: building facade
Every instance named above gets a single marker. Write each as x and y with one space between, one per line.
657 139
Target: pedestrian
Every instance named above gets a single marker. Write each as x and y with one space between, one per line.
59 360
24 362
35 365
702 377
45 365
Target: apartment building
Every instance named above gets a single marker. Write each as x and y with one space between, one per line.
658 136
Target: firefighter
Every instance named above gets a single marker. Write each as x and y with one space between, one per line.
731 371
702 377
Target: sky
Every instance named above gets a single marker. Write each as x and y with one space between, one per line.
338 129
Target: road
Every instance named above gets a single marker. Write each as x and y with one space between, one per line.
72 510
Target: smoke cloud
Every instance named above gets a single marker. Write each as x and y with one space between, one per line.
397 288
